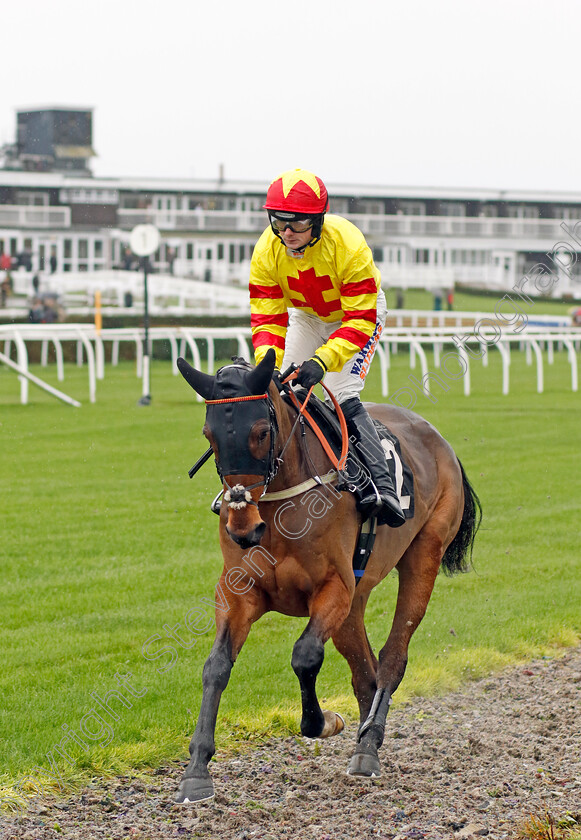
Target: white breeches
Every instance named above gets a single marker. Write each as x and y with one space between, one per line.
306 333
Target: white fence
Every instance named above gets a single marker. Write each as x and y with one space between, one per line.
90 347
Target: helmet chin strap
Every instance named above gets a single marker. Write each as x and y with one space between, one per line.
303 247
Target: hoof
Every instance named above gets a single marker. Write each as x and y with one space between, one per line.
364 764
334 724
194 790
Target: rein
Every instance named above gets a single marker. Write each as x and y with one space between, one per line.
239 496
338 463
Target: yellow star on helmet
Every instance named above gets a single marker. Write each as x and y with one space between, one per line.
293 176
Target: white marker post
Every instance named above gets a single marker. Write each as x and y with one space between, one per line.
144 241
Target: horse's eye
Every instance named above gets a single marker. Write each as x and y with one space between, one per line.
263 435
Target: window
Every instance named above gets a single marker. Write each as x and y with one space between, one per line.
378 255
68 249
241 253
83 250
375 208
489 211
339 205
232 254
412 208
130 202
32 199
522 211
98 249
452 208
190 251
568 213
422 255
89 196
220 250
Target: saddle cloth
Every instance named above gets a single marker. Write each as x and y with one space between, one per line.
401 474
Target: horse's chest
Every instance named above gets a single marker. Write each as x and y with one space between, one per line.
290 588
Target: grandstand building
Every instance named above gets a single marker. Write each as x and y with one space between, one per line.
55 216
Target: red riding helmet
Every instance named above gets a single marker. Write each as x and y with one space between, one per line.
298 191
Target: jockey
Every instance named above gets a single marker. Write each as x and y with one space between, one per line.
316 299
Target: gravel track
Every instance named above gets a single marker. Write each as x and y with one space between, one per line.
472 764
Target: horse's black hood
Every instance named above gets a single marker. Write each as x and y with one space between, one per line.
237 379
230 417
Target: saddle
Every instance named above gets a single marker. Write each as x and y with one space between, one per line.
401 474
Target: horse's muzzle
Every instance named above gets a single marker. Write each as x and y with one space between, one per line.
248 539
244 524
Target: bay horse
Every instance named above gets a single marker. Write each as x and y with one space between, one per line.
288 537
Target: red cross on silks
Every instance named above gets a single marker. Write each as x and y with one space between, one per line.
311 287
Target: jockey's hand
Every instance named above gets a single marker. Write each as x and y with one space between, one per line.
311 372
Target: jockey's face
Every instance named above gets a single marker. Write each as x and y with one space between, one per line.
294 240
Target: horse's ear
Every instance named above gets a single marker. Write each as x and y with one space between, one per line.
257 380
202 383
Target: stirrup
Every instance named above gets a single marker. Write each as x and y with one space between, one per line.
391 513
217 503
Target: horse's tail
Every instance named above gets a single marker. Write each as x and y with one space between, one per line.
459 553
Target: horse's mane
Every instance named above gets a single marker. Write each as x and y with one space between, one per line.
241 362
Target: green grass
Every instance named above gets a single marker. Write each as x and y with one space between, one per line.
463 302
104 540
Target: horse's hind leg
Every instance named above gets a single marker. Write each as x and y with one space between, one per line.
328 610
352 642
417 573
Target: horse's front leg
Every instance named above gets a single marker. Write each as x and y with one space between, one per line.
328 609
231 633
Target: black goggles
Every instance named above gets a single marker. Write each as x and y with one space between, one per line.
297 225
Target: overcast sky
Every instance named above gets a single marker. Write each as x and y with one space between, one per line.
413 92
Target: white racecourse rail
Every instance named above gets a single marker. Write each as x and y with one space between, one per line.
186 340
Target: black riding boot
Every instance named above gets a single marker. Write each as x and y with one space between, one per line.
384 503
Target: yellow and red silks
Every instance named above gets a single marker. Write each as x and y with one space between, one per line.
336 281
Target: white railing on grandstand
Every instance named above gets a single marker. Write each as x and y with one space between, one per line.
253 221
26 216
167 294
185 341
465 226
195 220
